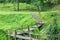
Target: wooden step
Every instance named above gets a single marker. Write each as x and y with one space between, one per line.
26 30
22 37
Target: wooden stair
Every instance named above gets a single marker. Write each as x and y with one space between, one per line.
26 30
17 35
22 37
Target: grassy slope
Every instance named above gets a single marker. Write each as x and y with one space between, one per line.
14 20
46 17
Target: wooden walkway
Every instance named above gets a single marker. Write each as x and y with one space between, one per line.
22 37
17 34
26 30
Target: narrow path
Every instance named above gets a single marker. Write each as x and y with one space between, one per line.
17 34
26 30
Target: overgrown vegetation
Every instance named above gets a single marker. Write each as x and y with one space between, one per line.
19 16
15 21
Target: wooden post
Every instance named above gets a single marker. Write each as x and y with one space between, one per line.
29 33
6 34
15 35
17 5
14 5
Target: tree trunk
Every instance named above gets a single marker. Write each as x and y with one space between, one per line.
17 5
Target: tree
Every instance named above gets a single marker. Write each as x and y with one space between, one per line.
38 4
58 1
17 5
1 1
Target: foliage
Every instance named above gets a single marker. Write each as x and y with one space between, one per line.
35 2
3 35
53 28
14 20
23 7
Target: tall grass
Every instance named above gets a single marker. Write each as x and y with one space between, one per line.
23 21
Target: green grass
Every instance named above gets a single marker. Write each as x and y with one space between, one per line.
46 17
15 20
10 19
3 35
22 20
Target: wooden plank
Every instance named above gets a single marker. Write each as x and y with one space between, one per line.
26 30
15 35
22 37
48 35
